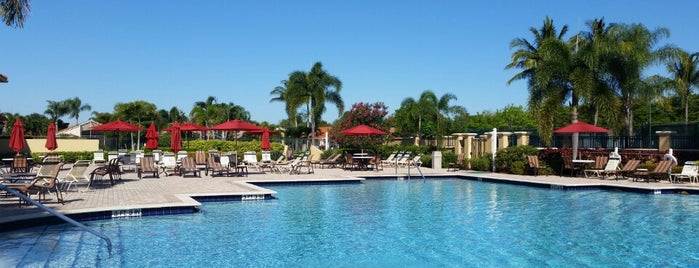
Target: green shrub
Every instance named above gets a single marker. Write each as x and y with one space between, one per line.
518 167
481 163
448 157
506 157
68 157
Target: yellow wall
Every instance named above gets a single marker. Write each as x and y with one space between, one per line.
64 145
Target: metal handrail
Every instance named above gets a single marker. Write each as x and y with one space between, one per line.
419 170
60 216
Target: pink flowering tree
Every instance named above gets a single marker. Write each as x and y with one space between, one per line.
373 115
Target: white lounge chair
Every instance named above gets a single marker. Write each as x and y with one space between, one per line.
610 168
168 163
77 174
690 171
98 157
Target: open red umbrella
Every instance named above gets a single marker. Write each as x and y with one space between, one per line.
152 136
117 126
175 137
579 127
17 136
189 126
362 130
236 125
51 143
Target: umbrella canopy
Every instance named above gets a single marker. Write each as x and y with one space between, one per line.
189 127
236 125
17 136
175 138
575 129
152 136
117 126
581 127
51 143
362 130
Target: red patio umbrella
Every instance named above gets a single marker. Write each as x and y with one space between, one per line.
17 136
175 137
264 141
51 143
362 130
579 127
236 125
117 126
152 136
189 126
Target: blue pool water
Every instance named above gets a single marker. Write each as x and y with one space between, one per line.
411 223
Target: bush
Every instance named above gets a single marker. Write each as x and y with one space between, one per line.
481 163
68 157
506 157
518 167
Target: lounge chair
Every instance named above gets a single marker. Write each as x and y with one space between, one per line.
403 160
456 165
20 164
389 159
112 169
42 185
534 164
610 168
189 166
330 162
414 162
181 155
690 171
600 164
76 174
148 166
250 159
661 171
290 167
200 161
627 170
168 162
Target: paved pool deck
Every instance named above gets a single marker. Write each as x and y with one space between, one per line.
175 191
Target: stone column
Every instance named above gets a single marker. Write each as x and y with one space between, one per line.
503 139
485 141
664 140
417 141
468 148
522 137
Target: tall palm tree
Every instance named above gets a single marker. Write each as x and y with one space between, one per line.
684 70
291 104
56 109
633 51
75 106
205 112
14 12
315 88
138 113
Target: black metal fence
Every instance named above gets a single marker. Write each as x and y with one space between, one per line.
622 142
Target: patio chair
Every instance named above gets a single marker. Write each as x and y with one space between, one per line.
157 156
349 162
215 165
76 174
414 162
98 157
112 155
42 185
147 166
456 165
690 171
568 165
534 164
181 155
330 162
240 167
600 165
112 169
391 159
250 159
610 168
20 164
189 165
376 163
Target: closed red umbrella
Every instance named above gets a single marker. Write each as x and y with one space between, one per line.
175 138
51 143
17 136
264 141
152 136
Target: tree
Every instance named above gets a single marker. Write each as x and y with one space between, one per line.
314 88
165 117
291 104
74 106
684 70
373 115
136 112
14 12
56 110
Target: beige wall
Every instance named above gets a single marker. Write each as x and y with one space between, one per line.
64 145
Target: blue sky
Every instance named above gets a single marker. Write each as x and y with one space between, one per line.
173 53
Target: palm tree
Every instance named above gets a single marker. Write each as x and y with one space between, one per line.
291 104
56 109
314 88
75 106
136 112
14 12
633 51
684 69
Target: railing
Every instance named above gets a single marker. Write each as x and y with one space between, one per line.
60 216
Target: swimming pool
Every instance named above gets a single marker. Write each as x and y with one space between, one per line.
387 223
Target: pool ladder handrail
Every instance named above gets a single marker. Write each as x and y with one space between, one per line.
419 170
60 216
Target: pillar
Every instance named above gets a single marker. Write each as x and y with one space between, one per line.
664 140
503 139
522 137
459 145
